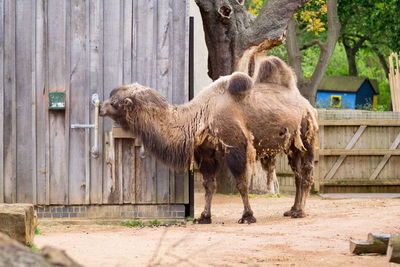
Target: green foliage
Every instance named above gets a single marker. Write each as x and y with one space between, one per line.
133 223
38 231
377 20
137 223
34 248
154 222
189 219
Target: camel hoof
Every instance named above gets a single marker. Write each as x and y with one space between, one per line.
298 214
202 220
288 213
247 219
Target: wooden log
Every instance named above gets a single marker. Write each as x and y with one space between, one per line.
17 221
377 243
393 251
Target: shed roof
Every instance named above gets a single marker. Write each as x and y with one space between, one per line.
349 84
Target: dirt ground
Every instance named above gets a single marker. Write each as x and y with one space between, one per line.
321 239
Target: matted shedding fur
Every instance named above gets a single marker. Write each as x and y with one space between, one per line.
237 116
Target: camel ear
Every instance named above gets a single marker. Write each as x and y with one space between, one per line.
240 83
127 102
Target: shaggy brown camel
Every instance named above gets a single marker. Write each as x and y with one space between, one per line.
240 118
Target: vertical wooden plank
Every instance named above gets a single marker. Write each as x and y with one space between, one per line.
33 101
319 160
162 75
120 171
112 62
180 28
128 176
179 68
87 107
122 74
134 35
145 61
79 147
96 86
9 128
41 105
57 81
1 102
127 41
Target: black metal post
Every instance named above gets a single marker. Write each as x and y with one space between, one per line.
189 208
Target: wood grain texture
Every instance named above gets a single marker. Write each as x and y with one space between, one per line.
95 80
23 67
81 48
9 129
41 105
78 143
112 69
1 102
57 81
362 161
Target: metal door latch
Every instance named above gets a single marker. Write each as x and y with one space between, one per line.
94 152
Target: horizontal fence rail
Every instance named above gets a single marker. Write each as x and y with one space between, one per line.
357 151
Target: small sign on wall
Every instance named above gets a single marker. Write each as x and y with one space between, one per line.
57 100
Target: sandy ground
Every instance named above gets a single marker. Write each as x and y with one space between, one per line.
321 239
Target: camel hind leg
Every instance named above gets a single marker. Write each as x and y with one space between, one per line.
268 165
301 163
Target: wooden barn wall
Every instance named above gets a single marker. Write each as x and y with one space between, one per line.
355 173
85 47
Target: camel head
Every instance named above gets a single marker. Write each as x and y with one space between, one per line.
130 98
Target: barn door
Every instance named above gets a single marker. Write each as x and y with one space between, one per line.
55 56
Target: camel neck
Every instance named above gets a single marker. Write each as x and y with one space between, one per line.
167 135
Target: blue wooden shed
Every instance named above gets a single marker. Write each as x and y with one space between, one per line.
347 92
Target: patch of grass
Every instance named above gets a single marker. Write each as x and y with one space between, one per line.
154 223
134 223
34 248
189 219
37 230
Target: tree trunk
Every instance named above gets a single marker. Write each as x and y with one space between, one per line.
351 58
230 30
382 60
308 87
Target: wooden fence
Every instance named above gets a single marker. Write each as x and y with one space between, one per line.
394 81
358 151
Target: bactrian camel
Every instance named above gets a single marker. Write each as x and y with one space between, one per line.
237 118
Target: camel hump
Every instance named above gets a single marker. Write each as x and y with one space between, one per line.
273 70
240 84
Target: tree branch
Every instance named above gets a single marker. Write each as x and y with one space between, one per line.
313 42
382 60
329 45
292 47
271 22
